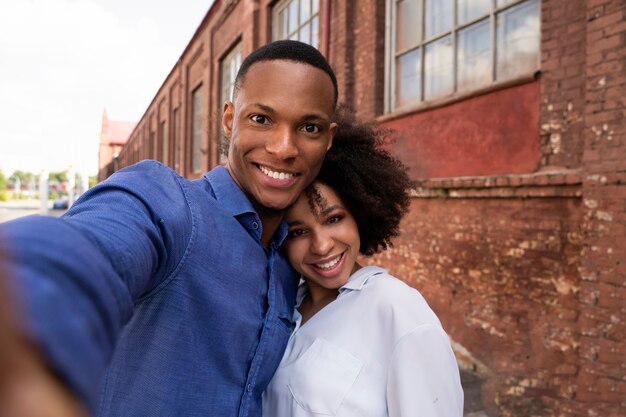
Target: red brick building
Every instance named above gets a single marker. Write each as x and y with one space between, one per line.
510 115
113 136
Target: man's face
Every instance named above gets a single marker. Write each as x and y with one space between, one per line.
280 129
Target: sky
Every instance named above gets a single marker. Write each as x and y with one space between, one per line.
63 62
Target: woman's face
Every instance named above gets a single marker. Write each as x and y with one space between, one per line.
323 242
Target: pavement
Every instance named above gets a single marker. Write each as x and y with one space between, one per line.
14 209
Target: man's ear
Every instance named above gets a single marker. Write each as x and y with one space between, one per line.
227 118
331 134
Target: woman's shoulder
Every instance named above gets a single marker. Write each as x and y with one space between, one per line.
392 297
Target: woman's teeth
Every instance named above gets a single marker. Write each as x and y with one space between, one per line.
329 265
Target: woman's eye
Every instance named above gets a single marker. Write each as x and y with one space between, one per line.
259 119
311 128
296 233
333 219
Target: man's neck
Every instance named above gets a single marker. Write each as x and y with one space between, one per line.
270 220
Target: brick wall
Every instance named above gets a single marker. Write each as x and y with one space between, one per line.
563 46
602 375
497 261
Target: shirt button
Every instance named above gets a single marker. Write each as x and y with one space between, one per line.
249 387
255 225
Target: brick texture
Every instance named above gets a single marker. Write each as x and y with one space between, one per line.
517 229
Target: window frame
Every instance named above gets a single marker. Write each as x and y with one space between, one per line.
284 4
234 53
391 55
197 116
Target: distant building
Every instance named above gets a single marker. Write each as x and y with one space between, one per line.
510 115
113 137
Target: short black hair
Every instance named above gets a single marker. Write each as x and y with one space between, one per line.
287 50
373 185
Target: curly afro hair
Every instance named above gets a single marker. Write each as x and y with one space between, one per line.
372 184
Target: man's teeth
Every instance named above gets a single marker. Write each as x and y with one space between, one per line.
275 175
329 265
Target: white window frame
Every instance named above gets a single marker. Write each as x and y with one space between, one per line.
391 54
284 4
229 65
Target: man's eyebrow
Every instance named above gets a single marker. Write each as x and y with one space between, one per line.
265 107
306 118
313 116
294 223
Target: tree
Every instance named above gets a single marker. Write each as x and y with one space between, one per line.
60 176
24 176
3 186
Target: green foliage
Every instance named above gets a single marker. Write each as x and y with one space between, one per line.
24 176
60 176
3 181
92 181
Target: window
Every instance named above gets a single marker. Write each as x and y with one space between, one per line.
297 20
228 68
162 142
439 47
174 139
196 129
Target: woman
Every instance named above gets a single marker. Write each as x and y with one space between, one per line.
364 343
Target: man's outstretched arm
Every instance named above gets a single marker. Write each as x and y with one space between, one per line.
76 279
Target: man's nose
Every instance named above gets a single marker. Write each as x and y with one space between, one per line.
283 144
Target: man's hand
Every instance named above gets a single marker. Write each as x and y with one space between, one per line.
27 387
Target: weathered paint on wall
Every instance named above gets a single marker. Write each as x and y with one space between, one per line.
496 133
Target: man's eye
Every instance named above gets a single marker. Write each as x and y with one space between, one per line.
311 128
259 119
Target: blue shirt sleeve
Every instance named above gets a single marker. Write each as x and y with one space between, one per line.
77 278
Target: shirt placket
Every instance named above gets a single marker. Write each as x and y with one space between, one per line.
264 342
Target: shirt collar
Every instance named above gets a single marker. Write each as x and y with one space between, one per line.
234 200
360 278
226 190
355 282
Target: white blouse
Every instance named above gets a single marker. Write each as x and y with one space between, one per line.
377 350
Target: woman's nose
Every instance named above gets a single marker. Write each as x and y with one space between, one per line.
322 243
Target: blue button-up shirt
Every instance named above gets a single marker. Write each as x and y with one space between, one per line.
164 283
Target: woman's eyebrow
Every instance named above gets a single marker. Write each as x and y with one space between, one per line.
329 209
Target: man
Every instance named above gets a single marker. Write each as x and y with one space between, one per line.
177 287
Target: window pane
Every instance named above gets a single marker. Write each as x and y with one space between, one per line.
518 40
474 56
305 10
408 81
163 142
175 125
305 34
439 15
502 3
314 32
316 7
283 25
293 16
196 130
472 9
408 24
438 68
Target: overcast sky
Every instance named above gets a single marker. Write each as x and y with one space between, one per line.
62 62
